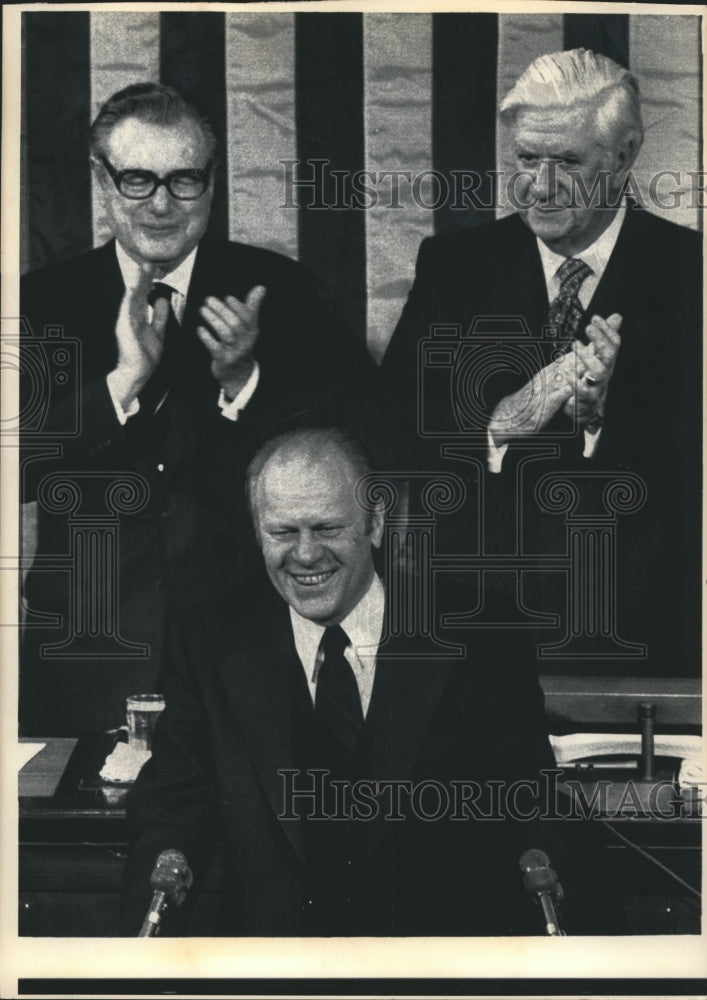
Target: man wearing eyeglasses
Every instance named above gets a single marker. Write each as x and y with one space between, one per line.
192 352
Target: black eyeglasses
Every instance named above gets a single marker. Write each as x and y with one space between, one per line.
185 185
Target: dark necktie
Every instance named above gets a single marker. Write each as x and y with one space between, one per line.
159 383
337 703
566 310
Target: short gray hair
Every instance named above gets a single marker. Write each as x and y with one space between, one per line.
312 442
580 77
154 103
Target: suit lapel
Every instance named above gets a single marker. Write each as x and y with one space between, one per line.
620 289
103 292
216 273
406 695
256 669
520 289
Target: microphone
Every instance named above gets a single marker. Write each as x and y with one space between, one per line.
170 879
542 884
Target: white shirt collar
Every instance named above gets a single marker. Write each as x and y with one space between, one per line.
595 256
363 626
179 278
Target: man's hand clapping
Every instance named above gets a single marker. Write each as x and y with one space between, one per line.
595 364
577 381
140 341
231 337
530 409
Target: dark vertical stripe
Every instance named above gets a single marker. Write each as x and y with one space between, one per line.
192 59
604 33
57 108
329 118
24 199
464 53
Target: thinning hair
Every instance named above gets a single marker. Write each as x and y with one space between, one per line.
149 102
310 443
581 78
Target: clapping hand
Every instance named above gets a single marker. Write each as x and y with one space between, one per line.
595 365
230 337
140 340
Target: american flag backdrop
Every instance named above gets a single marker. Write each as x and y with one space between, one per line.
397 104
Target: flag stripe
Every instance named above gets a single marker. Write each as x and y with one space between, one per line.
57 105
124 49
521 38
260 101
192 60
388 91
668 64
604 33
464 53
329 86
398 129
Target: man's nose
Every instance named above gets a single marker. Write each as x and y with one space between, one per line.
308 549
545 180
161 200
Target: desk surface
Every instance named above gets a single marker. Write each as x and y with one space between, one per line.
73 834
61 783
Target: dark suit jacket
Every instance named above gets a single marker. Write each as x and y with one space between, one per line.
192 538
492 275
228 730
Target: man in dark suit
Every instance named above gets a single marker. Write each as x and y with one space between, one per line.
352 790
578 351
187 353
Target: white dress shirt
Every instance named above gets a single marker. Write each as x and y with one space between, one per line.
363 626
596 257
178 280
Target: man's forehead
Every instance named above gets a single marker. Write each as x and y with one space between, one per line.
137 139
326 477
576 123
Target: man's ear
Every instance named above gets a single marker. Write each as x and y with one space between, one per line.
625 154
97 170
377 525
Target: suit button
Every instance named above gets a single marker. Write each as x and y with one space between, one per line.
160 467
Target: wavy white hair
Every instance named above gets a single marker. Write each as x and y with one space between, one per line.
576 78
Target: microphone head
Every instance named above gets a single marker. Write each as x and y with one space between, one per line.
539 878
533 859
171 875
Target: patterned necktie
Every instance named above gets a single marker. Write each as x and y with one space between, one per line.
566 310
159 383
337 703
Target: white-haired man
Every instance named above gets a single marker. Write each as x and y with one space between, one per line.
608 379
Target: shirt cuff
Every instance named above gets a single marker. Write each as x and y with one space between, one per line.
495 453
591 440
231 408
122 415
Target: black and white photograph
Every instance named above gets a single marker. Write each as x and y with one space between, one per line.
352 500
